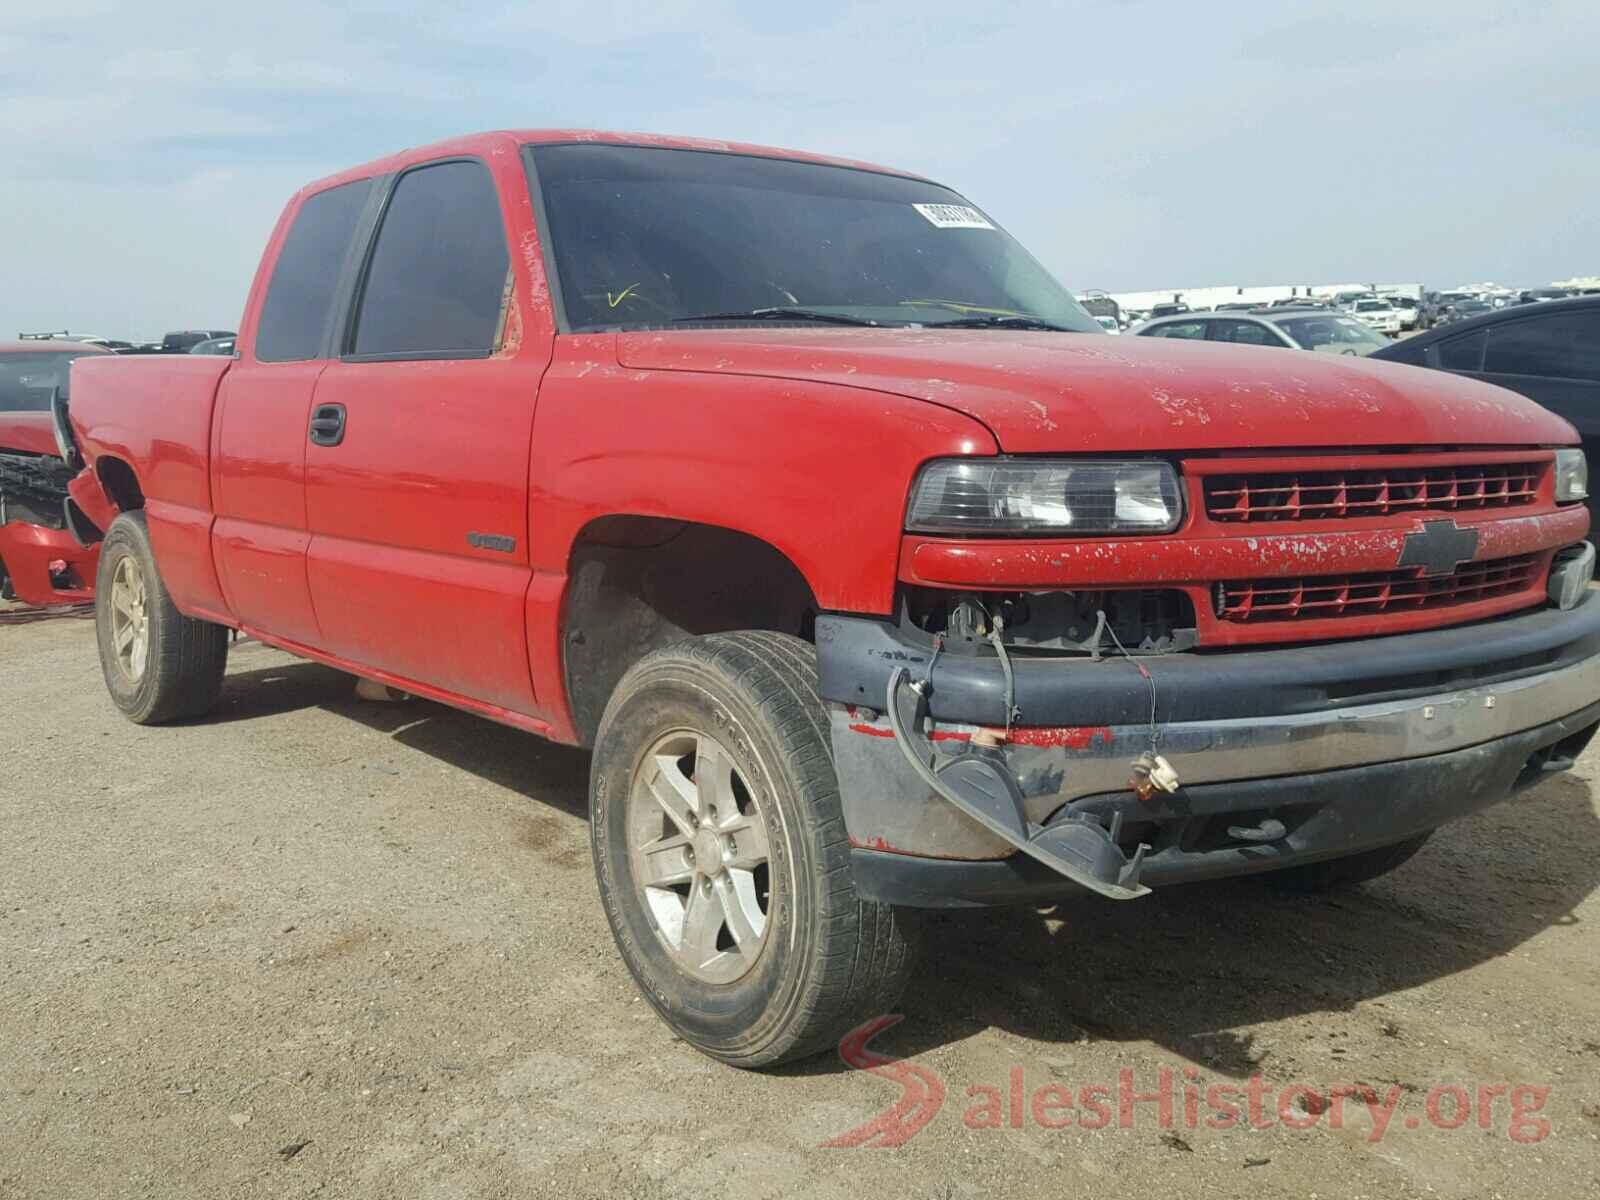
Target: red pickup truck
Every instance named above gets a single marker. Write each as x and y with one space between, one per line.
875 574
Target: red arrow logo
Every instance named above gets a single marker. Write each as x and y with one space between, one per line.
921 1095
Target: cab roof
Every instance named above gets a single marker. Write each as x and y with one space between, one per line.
504 141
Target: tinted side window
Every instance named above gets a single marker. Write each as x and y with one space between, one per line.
1464 353
296 310
1244 333
438 274
1560 346
1181 329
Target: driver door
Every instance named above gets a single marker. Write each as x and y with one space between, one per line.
418 448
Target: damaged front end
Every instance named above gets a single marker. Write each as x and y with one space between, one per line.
48 549
42 562
978 770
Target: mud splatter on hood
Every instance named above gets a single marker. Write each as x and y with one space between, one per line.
1087 392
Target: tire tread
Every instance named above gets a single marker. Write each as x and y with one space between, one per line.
864 951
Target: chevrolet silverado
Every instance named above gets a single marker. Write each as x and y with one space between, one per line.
876 576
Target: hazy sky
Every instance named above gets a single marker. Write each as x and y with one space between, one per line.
149 146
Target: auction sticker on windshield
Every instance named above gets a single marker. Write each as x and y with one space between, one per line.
953 216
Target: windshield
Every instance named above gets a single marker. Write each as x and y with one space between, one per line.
645 237
26 380
1370 305
1332 335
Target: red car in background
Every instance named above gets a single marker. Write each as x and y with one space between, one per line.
41 562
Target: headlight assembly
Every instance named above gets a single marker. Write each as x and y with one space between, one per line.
1572 476
1053 496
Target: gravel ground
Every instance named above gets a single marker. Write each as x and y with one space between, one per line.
371 932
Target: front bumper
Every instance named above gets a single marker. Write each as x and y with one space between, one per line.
29 551
1343 746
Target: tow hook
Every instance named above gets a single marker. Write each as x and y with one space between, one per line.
980 783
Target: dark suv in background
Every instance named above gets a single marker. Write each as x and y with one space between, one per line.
1550 352
184 340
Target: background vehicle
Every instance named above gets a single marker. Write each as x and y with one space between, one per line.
1099 306
1167 310
41 562
1378 313
1408 308
1109 324
549 428
1549 352
221 345
184 340
1460 310
1298 329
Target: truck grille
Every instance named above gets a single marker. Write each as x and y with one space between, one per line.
1323 596
1371 492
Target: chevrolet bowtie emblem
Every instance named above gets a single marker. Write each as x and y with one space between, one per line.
1439 548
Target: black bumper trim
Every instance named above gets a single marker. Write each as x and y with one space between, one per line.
857 655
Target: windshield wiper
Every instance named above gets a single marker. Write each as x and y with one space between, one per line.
781 314
999 322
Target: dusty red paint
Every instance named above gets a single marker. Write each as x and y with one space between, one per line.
807 439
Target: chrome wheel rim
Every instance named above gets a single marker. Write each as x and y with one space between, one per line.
130 619
697 843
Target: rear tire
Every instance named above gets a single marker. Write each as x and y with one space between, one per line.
159 665
722 858
1337 873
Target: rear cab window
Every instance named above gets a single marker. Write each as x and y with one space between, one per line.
294 322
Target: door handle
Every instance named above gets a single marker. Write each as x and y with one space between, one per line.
327 425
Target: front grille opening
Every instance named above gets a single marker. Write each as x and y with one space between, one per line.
1142 620
1371 492
1408 590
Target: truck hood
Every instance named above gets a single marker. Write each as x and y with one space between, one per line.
29 432
1042 392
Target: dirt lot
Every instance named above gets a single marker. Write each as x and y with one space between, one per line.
372 930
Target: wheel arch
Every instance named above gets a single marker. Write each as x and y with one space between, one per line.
636 583
120 482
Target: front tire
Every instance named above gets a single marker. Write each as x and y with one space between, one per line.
159 665
722 858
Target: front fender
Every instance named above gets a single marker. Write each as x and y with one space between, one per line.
89 494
